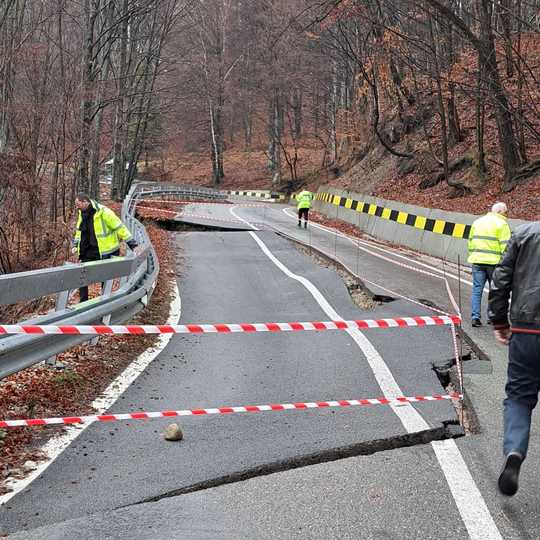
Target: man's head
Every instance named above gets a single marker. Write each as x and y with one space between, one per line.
83 201
500 208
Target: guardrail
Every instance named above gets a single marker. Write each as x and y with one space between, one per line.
147 190
137 273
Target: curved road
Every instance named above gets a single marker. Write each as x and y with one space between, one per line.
362 472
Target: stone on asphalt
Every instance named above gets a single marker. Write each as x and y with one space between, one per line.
173 433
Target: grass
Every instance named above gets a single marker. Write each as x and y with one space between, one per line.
69 379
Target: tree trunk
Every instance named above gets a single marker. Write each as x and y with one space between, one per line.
90 14
216 134
485 45
297 100
333 117
440 102
505 126
119 160
248 127
96 143
480 117
275 129
506 21
454 127
521 78
400 86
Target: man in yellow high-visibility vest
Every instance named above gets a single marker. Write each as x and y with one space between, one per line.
304 199
487 241
98 234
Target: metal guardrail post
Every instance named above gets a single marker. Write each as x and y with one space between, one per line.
62 299
106 291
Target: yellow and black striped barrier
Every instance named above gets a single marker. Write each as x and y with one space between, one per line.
437 226
259 194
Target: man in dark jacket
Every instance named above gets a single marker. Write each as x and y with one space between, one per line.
518 276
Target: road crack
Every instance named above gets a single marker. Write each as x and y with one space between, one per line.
366 448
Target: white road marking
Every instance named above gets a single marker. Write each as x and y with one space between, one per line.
468 499
231 210
55 446
375 246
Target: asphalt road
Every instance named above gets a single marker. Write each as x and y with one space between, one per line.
124 481
484 379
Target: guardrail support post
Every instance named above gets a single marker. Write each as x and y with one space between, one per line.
107 290
62 300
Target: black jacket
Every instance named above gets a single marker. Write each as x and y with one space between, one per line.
88 247
518 275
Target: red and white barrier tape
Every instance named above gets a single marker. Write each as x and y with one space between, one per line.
223 220
359 243
196 216
226 203
459 364
31 422
378 285
361 324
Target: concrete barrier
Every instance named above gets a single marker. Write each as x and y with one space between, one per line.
428 230
259 194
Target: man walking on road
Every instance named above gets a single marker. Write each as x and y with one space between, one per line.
304 199
97 234
487 242
518 275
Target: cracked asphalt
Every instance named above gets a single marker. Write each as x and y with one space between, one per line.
102 485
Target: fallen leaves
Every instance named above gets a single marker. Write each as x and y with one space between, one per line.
42 391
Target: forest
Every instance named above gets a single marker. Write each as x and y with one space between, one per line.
428 100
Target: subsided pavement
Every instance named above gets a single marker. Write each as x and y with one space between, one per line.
373 472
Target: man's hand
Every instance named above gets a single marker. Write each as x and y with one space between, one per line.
74 250
503 335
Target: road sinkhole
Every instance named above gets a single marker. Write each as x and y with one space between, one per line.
467 422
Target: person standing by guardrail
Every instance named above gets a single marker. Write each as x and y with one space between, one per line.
304 199
98 234
518 276
487 241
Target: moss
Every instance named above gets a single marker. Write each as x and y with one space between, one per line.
69 379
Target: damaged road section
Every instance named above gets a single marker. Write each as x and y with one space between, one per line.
230 277
374 496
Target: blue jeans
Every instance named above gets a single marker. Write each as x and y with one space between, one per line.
522 387
481 273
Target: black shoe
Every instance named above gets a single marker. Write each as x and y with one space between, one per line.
299 224
508 479
476 323
305 224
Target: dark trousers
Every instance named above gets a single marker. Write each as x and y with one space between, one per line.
522 387
303 212
83 291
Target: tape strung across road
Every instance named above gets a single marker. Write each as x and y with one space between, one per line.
195 216
363 324
32 422
223 203
360 244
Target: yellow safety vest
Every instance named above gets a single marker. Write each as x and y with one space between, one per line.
108 227
304 199
488 238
